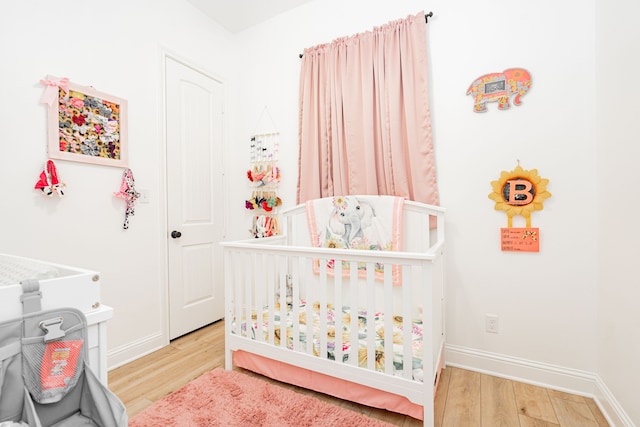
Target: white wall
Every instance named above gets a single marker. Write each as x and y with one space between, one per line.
115 48
617 136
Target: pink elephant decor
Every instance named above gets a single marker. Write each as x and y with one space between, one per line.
499 87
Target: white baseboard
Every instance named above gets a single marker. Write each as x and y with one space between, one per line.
134 350
616 416
541 374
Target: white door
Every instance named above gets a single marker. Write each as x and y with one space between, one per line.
194 193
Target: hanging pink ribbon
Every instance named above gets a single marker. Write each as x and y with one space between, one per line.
129 194
51 89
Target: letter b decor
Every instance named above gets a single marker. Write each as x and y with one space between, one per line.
519 192
499 87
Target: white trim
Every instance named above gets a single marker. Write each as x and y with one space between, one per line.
136 349
611 409
546 375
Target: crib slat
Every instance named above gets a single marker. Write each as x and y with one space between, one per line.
239 293
231 279
231 291
308 313
338 311
407 288
279 269
258 291
284 309
295 277
388 319
267 292
274 297
371 321
248 297
353 309
322 312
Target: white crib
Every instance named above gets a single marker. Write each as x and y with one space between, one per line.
329 301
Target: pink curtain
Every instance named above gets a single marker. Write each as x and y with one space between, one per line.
365 123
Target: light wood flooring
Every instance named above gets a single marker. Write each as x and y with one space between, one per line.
464 398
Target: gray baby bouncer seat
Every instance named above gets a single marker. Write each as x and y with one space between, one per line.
44 377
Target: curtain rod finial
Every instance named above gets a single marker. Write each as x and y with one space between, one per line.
427 16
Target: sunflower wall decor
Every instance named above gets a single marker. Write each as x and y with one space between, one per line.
519 192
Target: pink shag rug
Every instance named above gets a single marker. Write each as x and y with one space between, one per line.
231 398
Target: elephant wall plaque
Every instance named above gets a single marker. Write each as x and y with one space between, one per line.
499 87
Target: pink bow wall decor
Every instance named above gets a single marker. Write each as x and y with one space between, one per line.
51 88
129 194
49 181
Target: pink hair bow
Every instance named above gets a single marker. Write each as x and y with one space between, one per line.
51 89
49 181
129 194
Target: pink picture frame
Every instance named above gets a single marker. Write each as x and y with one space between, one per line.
85 125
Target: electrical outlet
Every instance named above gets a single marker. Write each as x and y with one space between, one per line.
491 323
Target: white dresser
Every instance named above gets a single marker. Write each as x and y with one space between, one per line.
61 286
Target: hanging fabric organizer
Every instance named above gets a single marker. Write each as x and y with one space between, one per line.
264 175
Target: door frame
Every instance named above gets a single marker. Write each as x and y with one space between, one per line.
162 196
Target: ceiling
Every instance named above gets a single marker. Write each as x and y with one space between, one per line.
236 15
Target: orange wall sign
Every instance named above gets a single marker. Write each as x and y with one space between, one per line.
520 239
519 192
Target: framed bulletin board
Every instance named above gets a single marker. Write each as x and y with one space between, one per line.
88 126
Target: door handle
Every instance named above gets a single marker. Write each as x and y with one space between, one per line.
176 234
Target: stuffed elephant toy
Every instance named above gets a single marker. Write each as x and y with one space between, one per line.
350 218
499 87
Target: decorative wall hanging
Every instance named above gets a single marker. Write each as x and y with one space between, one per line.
499 87
129 194
264 175
519 192
49 182
85 125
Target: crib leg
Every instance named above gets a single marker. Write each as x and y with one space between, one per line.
228 354
429 402
428 416
228 363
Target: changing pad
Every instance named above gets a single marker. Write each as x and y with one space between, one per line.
14 269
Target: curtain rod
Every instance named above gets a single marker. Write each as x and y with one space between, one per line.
426 21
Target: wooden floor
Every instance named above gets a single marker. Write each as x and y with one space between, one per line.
464 398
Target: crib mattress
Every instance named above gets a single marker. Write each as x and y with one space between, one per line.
313 331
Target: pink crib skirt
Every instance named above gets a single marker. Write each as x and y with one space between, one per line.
326 384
